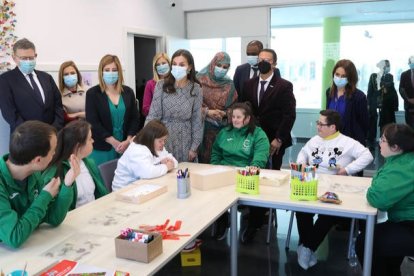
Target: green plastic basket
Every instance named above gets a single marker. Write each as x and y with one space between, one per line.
247 184
300 190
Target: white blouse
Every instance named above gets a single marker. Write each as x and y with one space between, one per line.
85 186
137 162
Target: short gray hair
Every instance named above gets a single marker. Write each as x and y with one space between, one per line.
24 44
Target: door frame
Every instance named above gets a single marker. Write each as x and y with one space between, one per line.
129 51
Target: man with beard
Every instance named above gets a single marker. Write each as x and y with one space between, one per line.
274 107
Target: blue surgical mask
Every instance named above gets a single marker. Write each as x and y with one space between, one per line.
110 77
411 66
219 72
387 70
27 66
252 60
178 72
340 82
163 69
70 80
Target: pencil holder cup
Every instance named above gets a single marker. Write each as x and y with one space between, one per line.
183 187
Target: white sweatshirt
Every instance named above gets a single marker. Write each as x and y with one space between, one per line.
334 152
137 162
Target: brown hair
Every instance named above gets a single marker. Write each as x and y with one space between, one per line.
28 140
63 66
108 59
332 118
401 135
351 75
170 80
153 130
246 109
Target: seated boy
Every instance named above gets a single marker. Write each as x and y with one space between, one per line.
332 153
25 202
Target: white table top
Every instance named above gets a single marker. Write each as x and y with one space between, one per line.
88 233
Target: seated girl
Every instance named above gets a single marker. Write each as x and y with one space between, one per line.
146 157
76 138
240 144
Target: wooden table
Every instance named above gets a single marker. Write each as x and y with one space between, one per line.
88 233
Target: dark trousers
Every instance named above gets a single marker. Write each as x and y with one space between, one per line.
311 234
257 214
392 242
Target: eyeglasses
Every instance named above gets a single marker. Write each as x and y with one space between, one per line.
26 58
321 124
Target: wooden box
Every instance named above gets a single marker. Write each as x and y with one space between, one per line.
139 251
139 193
213 178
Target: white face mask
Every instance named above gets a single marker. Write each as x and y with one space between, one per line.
178 72
252 60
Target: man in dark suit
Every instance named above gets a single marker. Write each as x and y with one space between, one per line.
274 107
28 94
248 70
407 92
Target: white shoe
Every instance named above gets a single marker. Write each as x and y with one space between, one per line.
304 255
313 259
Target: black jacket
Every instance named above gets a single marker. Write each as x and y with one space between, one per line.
99 116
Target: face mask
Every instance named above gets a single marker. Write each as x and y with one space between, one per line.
386 70
70 80
220 72
411 66
252 60
163 69
110 77
27 66
264 67
178 72
340 82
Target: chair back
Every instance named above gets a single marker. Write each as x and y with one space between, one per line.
107 171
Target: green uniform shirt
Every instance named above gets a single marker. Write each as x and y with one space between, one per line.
22 209
233 147
392 188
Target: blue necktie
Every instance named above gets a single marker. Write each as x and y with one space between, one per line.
262 90
35 88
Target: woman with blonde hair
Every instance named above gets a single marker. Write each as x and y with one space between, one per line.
112 111
72 90
160 69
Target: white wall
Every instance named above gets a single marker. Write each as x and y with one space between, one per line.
85 30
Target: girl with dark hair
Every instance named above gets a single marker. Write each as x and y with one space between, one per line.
146 157
76 138
350 102
392 190
240 144
177 103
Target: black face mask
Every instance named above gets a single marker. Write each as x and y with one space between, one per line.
264 67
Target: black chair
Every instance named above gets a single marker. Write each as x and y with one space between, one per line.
107 171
